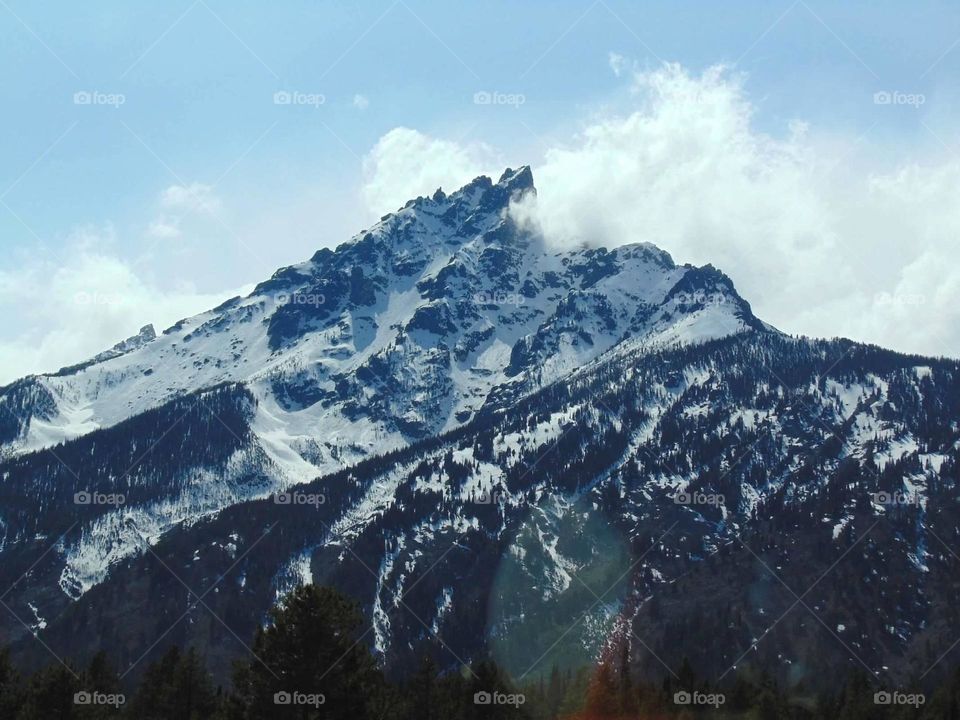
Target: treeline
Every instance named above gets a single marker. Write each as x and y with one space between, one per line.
609 693
311 660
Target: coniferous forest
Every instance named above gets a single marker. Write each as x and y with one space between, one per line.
308 662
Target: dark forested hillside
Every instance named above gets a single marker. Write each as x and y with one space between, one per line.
753 506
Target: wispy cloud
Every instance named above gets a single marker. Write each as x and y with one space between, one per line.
66 309
816 238
406 163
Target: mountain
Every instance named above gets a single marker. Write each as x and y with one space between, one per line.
399 333
495 447
440 310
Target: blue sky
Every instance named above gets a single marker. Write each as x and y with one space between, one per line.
182 96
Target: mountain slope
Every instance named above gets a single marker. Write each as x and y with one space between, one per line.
496 447
441 309
656 497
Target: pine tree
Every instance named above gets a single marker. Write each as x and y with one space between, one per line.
100 678
628 700
602 695
11 686
152 699
176 686
486 677
555 691
310 661
50 694
192 692
422 691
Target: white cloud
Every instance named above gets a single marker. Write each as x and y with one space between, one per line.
66 310
179 202
163 228
405 164
818 242
816 238
361 102
196 197
618 63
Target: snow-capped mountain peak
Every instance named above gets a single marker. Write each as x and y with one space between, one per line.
419 318
443 310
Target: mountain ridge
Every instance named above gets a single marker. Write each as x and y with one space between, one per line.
344 291
447 383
